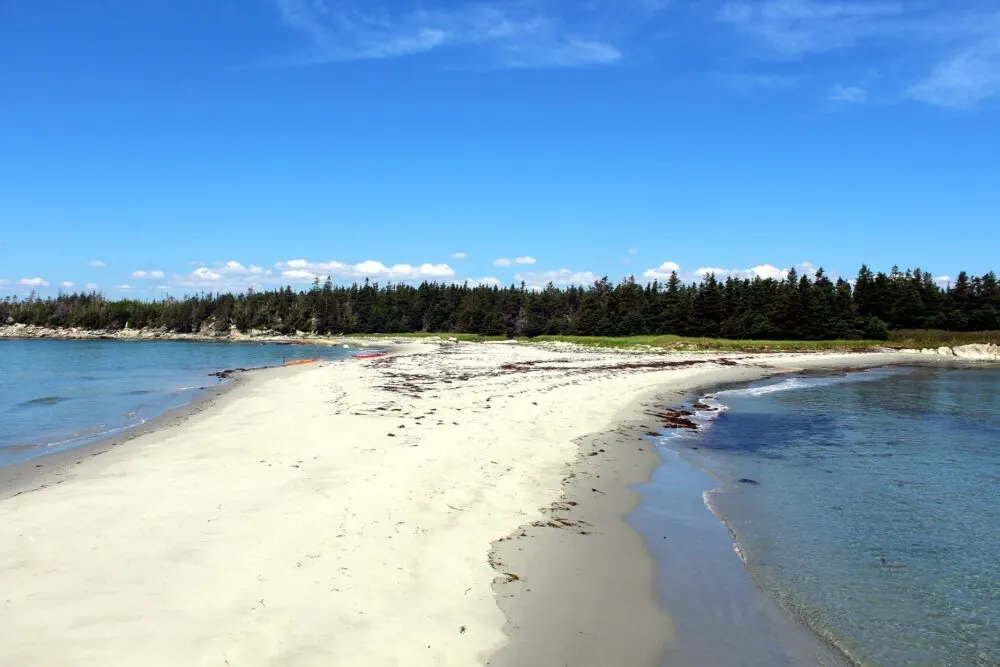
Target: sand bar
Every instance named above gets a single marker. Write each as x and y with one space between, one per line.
348 513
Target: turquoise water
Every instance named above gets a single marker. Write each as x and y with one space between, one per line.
57 394
867 506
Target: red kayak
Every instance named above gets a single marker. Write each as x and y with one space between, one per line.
373 355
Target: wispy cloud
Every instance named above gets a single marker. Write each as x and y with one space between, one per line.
457 255
941 53
965 79
747 82
506 35
66 284
793 28
849 94
96 264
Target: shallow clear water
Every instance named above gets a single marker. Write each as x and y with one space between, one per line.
58 394
869 506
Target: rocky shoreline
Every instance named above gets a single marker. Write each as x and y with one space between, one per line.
973 352
232 336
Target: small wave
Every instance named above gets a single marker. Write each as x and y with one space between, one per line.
43 400
703 416
708 497
139 392
799 383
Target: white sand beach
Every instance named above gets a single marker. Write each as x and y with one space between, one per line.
348 513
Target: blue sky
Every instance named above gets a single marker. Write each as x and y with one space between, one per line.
174 146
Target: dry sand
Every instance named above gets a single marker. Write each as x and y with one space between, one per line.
349 514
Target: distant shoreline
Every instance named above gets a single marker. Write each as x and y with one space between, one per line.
981 351
31 332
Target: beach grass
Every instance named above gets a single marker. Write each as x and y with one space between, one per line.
935 338
897 340
667 342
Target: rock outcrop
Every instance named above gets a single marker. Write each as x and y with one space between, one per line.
973 352
978 352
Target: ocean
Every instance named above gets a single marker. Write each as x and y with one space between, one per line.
849 519
59 394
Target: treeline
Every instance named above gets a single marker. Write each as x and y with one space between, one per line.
798 307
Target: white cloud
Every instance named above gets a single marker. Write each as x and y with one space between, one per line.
849 94
93 286
964 80
457 255
763 271
943 280
123 288
526 260
480 282
562 277
806 268
229 276
301 264
33 282
715 271
499 35
299 275
768 271
96 264
66 284
148 275
204 274
663 271
234 268
303 270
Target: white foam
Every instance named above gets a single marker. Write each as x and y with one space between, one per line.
706 417
799 383
708 498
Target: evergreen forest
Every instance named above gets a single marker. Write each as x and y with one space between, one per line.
798 307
